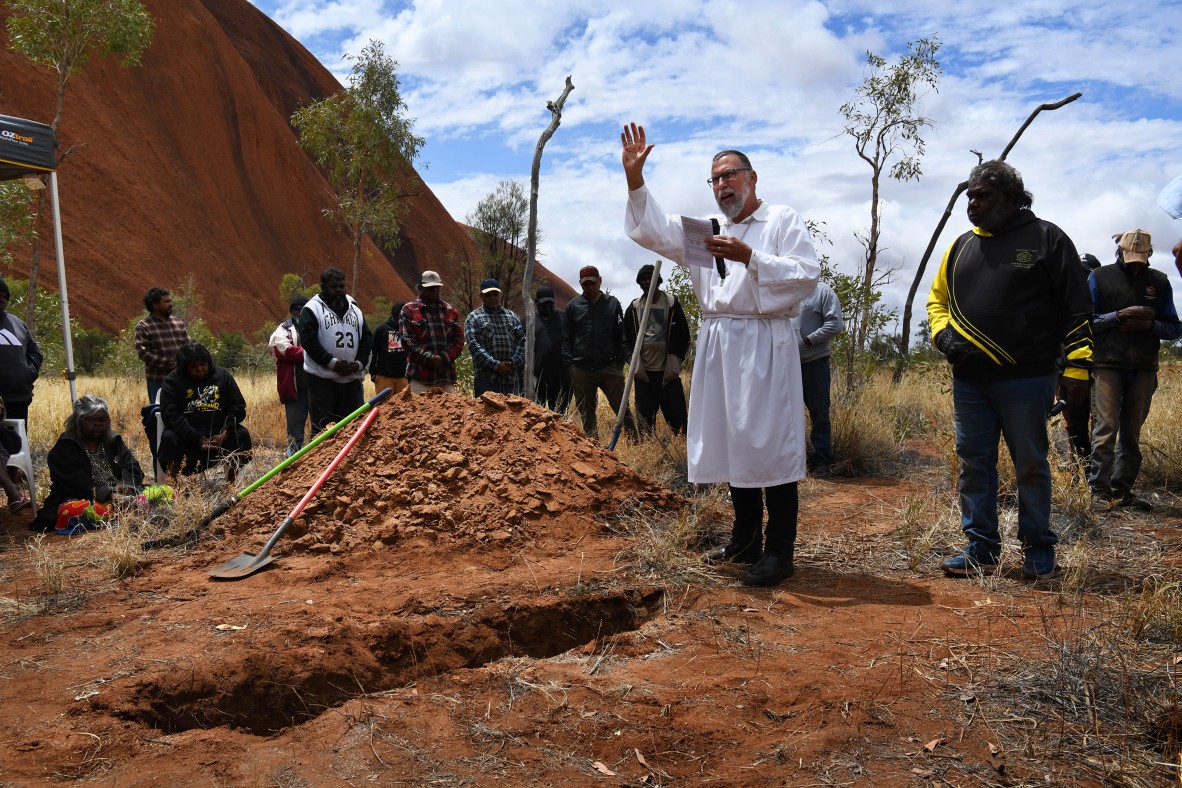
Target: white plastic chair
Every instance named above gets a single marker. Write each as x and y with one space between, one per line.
24 460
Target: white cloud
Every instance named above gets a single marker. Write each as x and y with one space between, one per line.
769 79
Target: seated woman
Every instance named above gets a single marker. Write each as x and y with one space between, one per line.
88 462
203 410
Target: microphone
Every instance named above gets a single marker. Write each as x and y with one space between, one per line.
718 263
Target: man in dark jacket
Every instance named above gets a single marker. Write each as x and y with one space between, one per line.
203 411
666 341
594 349
389 357
1008 298
551 371
20 360
1134 311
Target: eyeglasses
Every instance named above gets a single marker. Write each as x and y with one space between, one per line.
726 177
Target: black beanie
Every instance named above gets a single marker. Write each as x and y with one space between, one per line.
646 272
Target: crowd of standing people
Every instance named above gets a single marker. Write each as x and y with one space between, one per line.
1029 326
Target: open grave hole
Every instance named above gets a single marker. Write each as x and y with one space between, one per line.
264 693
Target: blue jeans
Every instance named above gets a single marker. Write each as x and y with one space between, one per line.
1016 409
814 376
1120 405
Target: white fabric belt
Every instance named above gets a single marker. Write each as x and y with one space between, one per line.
707 315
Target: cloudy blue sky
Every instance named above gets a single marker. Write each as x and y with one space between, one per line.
767 77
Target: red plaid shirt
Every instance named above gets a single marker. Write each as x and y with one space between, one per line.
427 331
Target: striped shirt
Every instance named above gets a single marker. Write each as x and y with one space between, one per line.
156 342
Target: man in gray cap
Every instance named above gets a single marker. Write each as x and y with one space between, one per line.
1133 311
433 337
496 342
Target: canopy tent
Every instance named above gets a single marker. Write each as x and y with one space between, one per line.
27 148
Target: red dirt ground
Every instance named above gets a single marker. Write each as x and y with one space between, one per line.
454 609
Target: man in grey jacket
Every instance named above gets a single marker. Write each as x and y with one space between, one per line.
20 360
820 320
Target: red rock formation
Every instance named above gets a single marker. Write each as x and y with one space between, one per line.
187 166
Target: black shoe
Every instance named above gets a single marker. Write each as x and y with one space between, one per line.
966 563
735 554
40 528
772 570
1133 502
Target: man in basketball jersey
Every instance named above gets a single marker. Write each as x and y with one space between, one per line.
337 344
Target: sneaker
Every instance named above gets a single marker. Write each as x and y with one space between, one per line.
1133 502
735 554
1040 563
968 563
770 571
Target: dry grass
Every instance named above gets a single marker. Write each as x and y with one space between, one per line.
666 547
1161 437
48 568
929 527
865 434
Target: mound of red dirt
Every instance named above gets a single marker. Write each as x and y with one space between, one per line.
497 470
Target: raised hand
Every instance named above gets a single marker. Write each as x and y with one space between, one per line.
635 151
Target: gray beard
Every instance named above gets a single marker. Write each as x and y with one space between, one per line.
735 207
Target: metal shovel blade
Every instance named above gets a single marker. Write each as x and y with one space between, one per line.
242 566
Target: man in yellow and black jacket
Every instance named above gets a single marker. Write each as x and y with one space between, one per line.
1008 299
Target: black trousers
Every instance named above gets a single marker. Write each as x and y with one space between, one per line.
330 401
653 395
554 388
194 459
783 505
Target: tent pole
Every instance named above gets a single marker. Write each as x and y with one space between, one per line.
67 334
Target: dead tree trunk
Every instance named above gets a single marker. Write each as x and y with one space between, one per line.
905 329
527 276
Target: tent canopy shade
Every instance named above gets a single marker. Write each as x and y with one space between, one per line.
26 148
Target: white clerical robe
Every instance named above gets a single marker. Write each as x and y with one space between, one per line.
746 409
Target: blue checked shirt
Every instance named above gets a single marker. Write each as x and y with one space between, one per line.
492 339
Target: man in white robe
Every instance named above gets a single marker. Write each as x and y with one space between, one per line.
746 409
